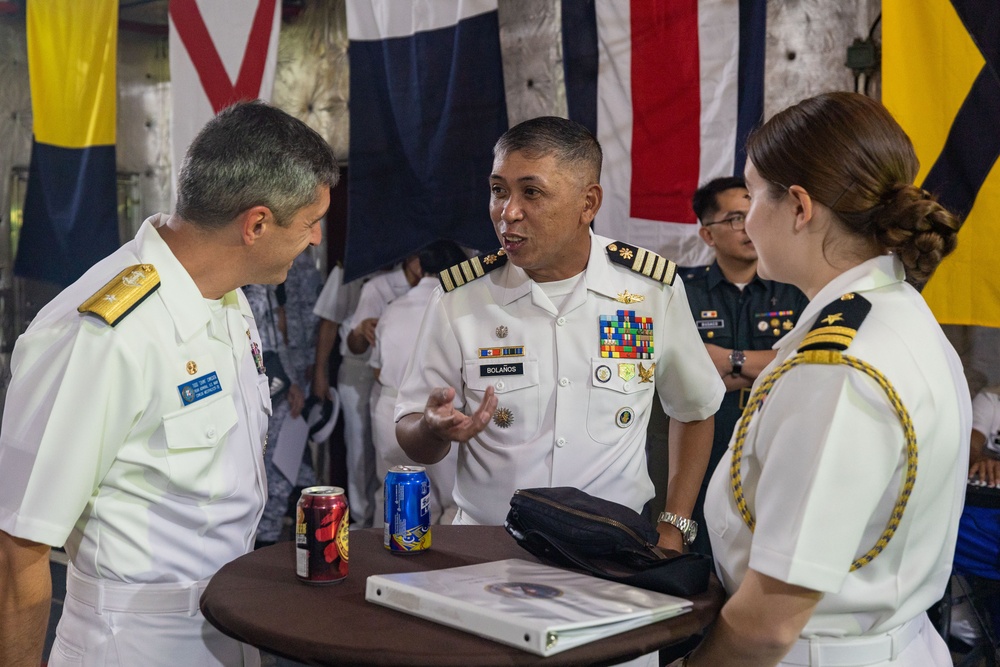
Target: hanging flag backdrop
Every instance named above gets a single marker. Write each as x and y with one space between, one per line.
221 51
427 105
673 88
941 80
70 209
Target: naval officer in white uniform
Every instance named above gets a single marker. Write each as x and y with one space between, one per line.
834 517
135 423
541 359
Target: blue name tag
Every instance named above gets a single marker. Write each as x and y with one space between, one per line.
199 388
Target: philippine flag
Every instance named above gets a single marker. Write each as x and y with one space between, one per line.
671 89
427 105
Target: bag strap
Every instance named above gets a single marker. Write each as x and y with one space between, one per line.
825 343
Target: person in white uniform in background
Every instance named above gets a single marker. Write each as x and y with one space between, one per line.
135 424
359 394
825 577
335 305
395 344
984 444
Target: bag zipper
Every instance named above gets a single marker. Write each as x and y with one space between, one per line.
587 515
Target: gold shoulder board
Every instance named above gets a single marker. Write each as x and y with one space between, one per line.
642 261
837 324
123 293
467 271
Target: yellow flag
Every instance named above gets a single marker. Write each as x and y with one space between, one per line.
940 67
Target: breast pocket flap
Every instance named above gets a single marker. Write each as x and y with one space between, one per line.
202 424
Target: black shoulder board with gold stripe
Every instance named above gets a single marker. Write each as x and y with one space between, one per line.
642 261
470 269
837 324
125 291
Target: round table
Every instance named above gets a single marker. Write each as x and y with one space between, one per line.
258 599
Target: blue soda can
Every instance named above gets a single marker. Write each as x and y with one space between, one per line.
407 510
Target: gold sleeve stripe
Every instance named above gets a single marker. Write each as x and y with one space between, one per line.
668 275
456 274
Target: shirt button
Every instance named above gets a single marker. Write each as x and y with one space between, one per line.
561 442
627 386
499 385
564 382
210 433
561 321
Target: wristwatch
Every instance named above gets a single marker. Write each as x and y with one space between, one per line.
736 358
688 527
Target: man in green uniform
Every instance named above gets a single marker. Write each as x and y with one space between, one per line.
739 315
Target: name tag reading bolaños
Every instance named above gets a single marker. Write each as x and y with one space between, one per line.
501 369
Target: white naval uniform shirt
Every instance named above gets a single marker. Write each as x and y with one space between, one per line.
986 417
99 452
823 459
376 294
567 427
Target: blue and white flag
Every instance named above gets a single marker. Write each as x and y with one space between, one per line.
426 106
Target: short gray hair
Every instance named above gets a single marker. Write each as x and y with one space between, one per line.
252 154
566 140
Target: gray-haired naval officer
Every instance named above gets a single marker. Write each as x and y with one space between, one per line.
136 418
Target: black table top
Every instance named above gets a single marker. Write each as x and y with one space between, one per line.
258 599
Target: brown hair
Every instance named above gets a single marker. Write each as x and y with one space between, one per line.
850 155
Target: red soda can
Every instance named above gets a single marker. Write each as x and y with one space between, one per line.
321 531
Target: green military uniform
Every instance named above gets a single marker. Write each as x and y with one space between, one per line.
753 318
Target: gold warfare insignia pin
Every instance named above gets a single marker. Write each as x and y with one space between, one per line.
787 325
192 368
503 417
626 371
501 331
646 374
627 297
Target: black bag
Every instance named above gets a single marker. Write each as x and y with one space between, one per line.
570 528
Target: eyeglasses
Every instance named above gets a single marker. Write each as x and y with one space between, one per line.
737 221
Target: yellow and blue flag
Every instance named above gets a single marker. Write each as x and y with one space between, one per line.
941 80
70 210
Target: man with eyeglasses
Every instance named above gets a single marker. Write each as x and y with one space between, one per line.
739 315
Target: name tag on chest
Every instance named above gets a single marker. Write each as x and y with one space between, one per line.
199 388
501 369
